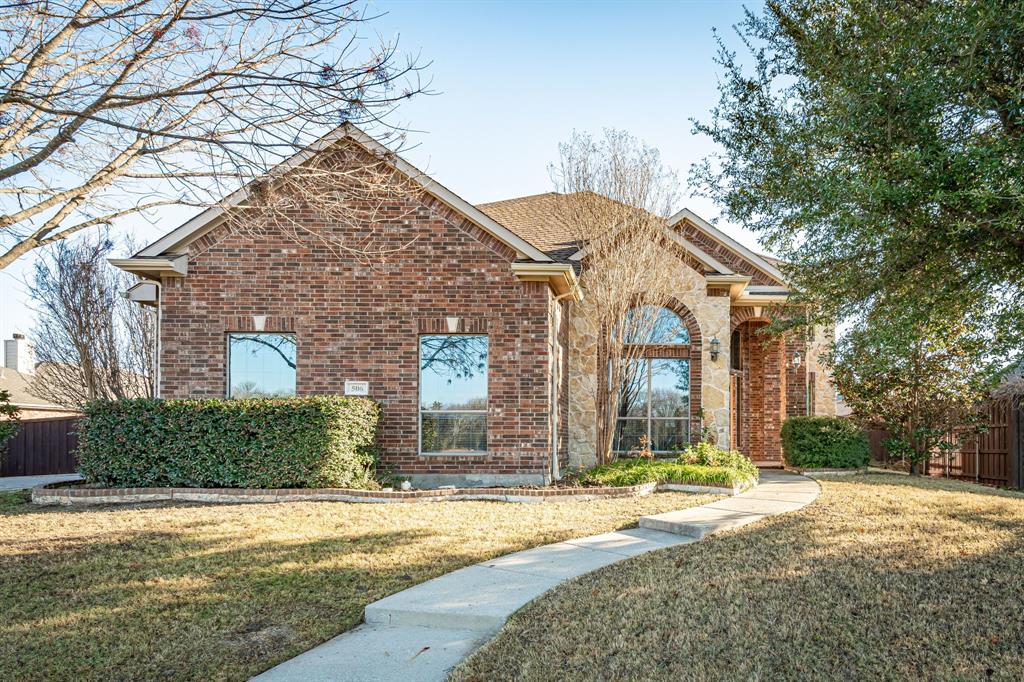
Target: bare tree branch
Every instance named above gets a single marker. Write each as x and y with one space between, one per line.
179 102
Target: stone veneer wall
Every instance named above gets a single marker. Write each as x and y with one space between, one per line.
823 393
712 315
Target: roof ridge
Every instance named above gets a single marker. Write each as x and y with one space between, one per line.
525 196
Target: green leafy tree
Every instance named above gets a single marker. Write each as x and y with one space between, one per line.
8 421
878 147
919 378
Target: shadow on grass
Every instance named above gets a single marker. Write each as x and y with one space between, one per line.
165 605
882 578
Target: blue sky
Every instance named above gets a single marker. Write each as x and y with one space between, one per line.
515 79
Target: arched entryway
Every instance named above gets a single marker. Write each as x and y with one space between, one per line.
757 389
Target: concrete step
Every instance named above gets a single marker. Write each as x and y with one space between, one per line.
699 522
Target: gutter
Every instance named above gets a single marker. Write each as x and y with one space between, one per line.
561 277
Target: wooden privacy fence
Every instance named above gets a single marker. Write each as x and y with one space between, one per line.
42 446
995 457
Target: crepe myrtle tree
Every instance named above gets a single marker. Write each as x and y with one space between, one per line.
614 198
89 341
111 108
878 149
922 379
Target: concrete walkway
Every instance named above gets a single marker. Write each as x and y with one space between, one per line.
419 634
22 482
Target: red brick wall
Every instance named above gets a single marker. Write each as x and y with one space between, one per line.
763 389
358 321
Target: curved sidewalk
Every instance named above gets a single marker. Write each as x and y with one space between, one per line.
419 634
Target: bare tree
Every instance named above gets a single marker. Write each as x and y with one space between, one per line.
90 342
109 108
615 197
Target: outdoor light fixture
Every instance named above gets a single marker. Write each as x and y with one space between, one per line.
796 360
715 347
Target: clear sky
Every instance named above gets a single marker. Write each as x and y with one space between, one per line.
514 79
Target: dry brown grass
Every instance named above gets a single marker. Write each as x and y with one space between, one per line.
884 577
225 591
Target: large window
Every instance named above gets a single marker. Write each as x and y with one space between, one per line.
654 402
261 365
453 394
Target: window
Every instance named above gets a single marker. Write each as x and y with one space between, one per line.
453 394
261 365
655 402
735 350
651 325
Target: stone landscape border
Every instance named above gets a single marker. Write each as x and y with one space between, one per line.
63 494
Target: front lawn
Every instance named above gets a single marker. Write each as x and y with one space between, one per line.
225 591
884 577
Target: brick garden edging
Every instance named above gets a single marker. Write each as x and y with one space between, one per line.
58 494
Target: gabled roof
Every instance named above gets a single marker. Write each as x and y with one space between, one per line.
179 238
760 262
535 219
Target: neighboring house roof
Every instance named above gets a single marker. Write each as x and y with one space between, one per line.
18 385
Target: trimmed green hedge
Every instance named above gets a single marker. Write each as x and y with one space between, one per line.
321 441
824 442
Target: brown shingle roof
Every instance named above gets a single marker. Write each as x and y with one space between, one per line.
535 219
19 386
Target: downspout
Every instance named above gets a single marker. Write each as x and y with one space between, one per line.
156 350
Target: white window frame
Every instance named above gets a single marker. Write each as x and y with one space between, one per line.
420 410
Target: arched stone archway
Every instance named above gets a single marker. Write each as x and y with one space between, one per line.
766 385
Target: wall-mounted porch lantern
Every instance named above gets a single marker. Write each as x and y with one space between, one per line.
716 346
797 360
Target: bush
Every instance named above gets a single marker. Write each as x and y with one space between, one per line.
634 471
709 454
823 442
322 441
8 422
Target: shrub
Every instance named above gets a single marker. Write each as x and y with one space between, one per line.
709 454
635 471
8 422
827 442
322 441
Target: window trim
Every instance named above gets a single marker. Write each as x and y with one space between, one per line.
648 418
227 356
420 410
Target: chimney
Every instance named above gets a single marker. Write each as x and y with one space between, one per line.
18 355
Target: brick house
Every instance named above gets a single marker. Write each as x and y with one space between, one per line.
466 333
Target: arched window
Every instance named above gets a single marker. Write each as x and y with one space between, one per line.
654 398
653 325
